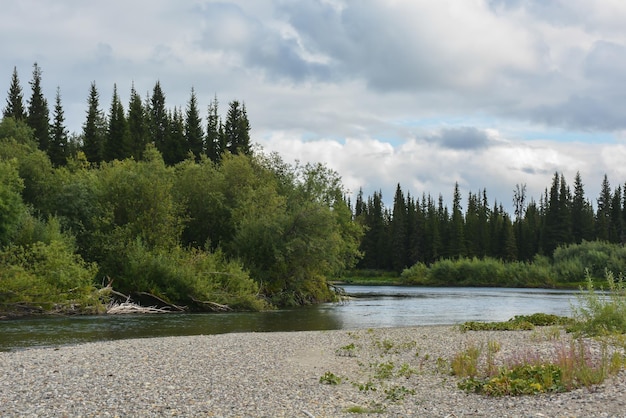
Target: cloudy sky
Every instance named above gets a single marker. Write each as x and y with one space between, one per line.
486 93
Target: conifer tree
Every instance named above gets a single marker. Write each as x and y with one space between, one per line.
456 246
582 213
58 146
38 113
194 134
215 143
138 133
15 100
94 128
603 213
398 232
117 145
159 119
176 148
616 229
237 129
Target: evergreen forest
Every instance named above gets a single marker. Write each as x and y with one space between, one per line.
178 203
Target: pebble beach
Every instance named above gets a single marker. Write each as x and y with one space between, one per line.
278 375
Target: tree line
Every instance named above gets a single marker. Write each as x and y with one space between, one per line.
119 134
424 230
200 224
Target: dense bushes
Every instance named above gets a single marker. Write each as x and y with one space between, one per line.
568 268
246 232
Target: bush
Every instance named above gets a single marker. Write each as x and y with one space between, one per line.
187 277
601 311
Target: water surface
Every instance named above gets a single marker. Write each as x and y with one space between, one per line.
374 307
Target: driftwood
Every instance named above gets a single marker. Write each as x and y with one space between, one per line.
148 299
137 302
212 306
132 308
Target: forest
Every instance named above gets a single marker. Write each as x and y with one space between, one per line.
165 202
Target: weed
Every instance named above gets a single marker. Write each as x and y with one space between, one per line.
374 409
465 363
398 393
367 386
347 350
330 378
405 370
383 370
442 365
600 312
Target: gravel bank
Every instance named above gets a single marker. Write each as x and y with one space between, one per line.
278 375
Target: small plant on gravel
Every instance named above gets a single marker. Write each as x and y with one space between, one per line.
465 363
374 409
329 378
347 350
383 370
398 393
367 386
405 370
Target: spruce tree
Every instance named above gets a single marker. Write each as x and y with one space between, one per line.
456 246
175 148
603 214
138 134
117 145
237 129
57 151
193 127
15 100
215 143
582 213
94 128
159 120
399 232
616 229
38 113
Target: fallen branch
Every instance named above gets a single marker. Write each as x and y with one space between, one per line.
213 306
133 308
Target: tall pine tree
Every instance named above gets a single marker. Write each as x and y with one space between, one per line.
15 99
194 134
237 129
59 143
138 133
94 128
38 113
117 145
159 121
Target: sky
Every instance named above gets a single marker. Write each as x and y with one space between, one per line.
488 94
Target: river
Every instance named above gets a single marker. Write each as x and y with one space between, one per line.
374 307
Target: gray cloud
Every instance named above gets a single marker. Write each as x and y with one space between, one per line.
462 138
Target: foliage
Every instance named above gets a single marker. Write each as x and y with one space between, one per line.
42 271
330 378
572 367
188 277
601 311
11 206
573 262
517 323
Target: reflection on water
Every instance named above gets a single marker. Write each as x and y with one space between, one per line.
373 307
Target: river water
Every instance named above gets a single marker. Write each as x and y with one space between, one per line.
374 307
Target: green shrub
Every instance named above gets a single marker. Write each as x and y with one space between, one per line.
601 311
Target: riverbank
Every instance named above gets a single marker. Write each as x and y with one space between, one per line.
278 374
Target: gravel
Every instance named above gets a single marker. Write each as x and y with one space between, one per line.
278 375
